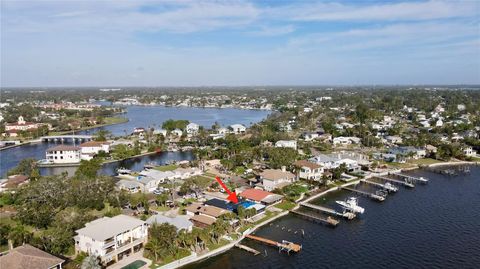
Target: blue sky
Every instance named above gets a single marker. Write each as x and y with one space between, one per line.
199 43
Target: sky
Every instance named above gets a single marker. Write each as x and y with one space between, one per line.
238 43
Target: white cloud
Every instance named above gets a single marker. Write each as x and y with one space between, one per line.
273 30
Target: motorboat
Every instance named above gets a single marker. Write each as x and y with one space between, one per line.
390 187
123 171
351 204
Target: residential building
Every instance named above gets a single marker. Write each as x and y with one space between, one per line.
192 128
177 132
21 125
276 178
89 149
261 196
238 128
406 152
111 239
204 215
63 154
180 222
286 144
308 170
469 152
28 257
342 140
13 181
130 185
310 136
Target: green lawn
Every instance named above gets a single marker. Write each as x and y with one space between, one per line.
426 161
182 253
285 205
222 243
165 168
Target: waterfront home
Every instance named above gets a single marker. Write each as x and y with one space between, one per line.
406 152
387 157
63 154
261 196
238 128
334 160
91 148
204 215
160 132
28 257
184 173
469 152
309 170
177 132
111 239
192 128
275 178
130 186
180 222
286 144
227 205
12 129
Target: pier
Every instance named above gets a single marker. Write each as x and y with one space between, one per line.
374 196
389 187
405 182
328 220
415 179
249 249
345 214
284 245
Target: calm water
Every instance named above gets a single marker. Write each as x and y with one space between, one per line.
432 226
141 116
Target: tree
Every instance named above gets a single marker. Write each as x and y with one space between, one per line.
162 199
162 241
24 167
19 235
91 262
101 135
88 169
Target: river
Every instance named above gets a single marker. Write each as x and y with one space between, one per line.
141 116
431 226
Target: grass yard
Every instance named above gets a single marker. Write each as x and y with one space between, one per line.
426 161
182 253
222 243
285 205
165 168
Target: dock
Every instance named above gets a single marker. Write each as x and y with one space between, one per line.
405 182
249 249
328 220
284 245
345 214
415 179
389 188
374 196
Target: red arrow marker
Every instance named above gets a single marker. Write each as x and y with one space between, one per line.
232 196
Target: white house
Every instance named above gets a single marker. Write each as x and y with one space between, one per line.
286 144
238 128
180 222
192 128
343 140
63 154
111 239
177 132
91 148
275 178
309 170
222 131
310 136
469 152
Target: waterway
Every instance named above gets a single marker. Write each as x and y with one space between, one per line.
431 226
141 116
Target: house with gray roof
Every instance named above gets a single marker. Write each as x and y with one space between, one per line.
180 222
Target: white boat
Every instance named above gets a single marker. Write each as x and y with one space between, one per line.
390 187
351 204
123 171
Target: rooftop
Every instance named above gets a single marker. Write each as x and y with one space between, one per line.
180 222
104 228
27 257
276 174
63 148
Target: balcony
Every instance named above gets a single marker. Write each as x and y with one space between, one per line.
109 243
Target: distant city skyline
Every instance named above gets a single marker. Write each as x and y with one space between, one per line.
238 43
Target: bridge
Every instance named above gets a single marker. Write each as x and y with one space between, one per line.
63 138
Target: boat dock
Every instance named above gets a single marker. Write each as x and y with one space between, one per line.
403 182
345 214
284 245
389 188
328 220
374 196
249 249
415 179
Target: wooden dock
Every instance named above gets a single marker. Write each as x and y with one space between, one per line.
415 179
404 182
391 188
284 245
328 220
374 196
249 249
348 215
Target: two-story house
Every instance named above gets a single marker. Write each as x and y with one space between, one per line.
113 238
308 170
276 178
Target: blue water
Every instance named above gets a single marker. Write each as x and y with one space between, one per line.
431 226
142 116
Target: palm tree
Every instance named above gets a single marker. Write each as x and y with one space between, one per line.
154 247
